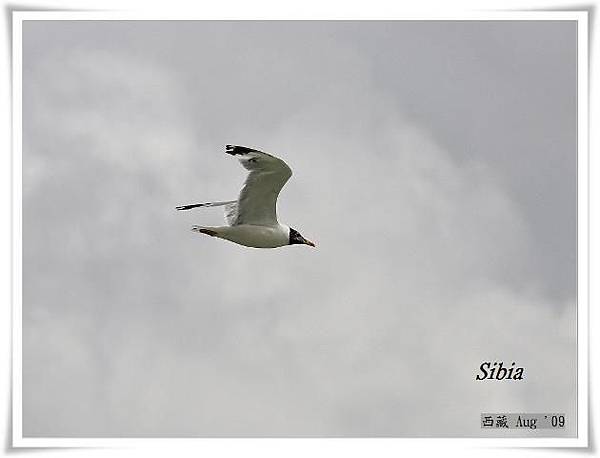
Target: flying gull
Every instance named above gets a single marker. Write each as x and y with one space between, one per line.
252 218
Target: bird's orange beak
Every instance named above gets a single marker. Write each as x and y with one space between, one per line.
309 243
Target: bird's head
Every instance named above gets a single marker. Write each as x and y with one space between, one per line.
296 238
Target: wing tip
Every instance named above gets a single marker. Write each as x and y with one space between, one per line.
189 207
237 149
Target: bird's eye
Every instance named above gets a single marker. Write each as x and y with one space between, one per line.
252 159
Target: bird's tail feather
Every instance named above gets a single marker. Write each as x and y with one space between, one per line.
206 204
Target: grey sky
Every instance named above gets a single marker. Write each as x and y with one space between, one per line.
434 166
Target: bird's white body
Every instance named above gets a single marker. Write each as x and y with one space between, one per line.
252 235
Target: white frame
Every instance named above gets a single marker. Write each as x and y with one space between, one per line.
581 17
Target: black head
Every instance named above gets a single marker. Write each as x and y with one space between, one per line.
296 238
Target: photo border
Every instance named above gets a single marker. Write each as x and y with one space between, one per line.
582 312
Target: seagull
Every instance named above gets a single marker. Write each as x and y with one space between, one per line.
252 218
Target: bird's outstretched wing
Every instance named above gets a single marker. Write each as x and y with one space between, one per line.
230 208
257 201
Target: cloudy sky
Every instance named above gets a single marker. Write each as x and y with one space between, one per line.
434 166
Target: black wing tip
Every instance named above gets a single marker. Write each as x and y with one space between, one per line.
188 207
237 149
